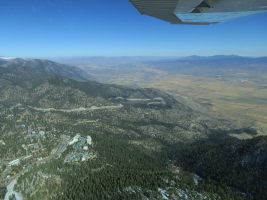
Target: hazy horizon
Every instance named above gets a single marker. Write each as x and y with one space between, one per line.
132 56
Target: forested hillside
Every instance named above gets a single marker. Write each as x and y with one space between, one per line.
65 139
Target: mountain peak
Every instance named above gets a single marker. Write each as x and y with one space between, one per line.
41 67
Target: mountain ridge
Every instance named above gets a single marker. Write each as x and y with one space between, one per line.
141 141
46 67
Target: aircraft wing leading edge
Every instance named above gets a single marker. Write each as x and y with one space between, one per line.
199 11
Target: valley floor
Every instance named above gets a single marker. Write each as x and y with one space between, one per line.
242 100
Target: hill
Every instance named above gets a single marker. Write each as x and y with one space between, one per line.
68 139
233 87
37 67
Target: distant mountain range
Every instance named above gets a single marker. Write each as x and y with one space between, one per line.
111 61
147 69
211 65
221 57
105 61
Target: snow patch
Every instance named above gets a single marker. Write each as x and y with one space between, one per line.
7 58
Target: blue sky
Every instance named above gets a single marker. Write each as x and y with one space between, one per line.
51 28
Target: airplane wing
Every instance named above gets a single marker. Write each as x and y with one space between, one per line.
199 11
